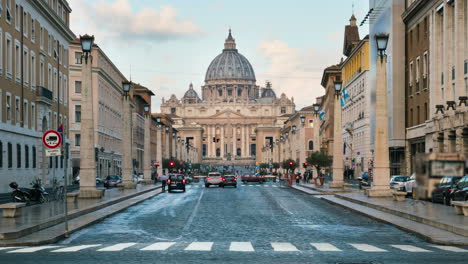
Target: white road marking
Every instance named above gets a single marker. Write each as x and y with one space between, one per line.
283 247
250 185
241 246
159 246
199 246
367 248
3 248
275 186
117 247
410 248
449 248
31 249
75 248
325 247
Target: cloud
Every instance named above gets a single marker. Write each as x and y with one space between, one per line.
292 71
117 19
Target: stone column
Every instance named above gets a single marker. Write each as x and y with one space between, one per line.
448 52
166 137
87 154
159 150
337 147
222 142
380 186
243 153
234 140
147 151
213 129
127 172
459 49
207 132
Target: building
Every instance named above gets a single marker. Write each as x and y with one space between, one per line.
235 117
385 17
330 75
35 38
107 106
356 111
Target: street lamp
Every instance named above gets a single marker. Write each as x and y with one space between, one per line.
173 134
282 138
167 129
316 109
338 85
146 108
158 119
86 45
126 85
382 42
294 128
286 134
303 120
178 138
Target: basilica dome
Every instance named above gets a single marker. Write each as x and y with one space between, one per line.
191 93
230 65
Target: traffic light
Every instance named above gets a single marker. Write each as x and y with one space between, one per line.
171 164
305 165
291 164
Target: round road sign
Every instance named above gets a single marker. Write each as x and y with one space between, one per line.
52 139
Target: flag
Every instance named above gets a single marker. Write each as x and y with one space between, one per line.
345 93
321 115
343 101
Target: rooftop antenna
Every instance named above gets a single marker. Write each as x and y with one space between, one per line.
353 7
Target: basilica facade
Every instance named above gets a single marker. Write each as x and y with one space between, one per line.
234 118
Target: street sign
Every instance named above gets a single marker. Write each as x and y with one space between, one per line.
53 152
52 139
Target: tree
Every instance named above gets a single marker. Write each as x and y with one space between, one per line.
319 159
276 166
289 164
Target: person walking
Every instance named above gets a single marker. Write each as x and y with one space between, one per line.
298 178
163 179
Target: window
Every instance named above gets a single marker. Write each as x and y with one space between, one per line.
17 17
77 87
311 123
411 118
55 49
33 70
418 115
442 79
1 152
60 88
41 38
17 61
34 156
33 116
8 11
239 92
453 73
229 92
49 45
77 140
220 92
17 110
49 79
33 30
411 74
18 156
54 85
78 57
25 24
1 49
26 156
10 155
311 145
8 107
173 110
283 110
417 69
426 117
25 113
77 113
9 56
25 66
65 89
465 65
41 72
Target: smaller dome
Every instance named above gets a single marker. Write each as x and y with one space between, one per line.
191 93
268 91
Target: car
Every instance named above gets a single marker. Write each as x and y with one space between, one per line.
99 181
176 182
112 181
189 179
229 180
443 190
253 178
137 178
397 182
213 178
410 184
460 192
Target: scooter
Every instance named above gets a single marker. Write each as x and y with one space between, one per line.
28 195
363 182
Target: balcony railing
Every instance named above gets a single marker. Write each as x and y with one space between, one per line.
43 95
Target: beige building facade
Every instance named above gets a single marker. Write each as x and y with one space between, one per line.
235 117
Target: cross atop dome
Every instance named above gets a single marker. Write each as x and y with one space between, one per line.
230 43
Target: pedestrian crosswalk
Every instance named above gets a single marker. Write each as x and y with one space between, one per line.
238 247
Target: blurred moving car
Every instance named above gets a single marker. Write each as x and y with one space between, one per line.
253 178
397 182
176 182
229 180
137 178
214 178
460 192
443 190
112 180
410 184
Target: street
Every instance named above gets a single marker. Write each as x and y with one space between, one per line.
255 223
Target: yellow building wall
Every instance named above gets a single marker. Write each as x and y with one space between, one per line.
356 63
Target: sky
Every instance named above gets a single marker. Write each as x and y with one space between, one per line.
166 45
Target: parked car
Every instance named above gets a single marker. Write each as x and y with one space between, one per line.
176 182
443 190
410 184
112 180
253 178
214 178
397 182
229 180
460 192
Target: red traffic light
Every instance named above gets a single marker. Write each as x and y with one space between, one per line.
171 164
156 164
291 163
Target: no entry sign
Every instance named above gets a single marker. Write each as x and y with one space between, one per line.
52 139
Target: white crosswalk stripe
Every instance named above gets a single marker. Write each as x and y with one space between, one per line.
31 249
75 248
283 247
241 246
117 247
450 248
4 248
410 248
367 248
159 246
325 247
199 246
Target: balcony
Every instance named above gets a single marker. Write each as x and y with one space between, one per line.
43 95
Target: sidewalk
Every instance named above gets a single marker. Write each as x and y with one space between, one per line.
43 223
327 190
435 223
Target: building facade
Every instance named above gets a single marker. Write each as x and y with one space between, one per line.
235 117
107 106
34 44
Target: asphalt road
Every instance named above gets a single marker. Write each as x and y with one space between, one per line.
251 224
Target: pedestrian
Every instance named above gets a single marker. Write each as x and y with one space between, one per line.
298 178
163 179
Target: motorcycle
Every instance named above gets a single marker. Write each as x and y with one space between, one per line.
27 195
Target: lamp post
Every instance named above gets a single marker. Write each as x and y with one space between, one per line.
159 169
147 147
87 152
127 165
337 177
381 179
